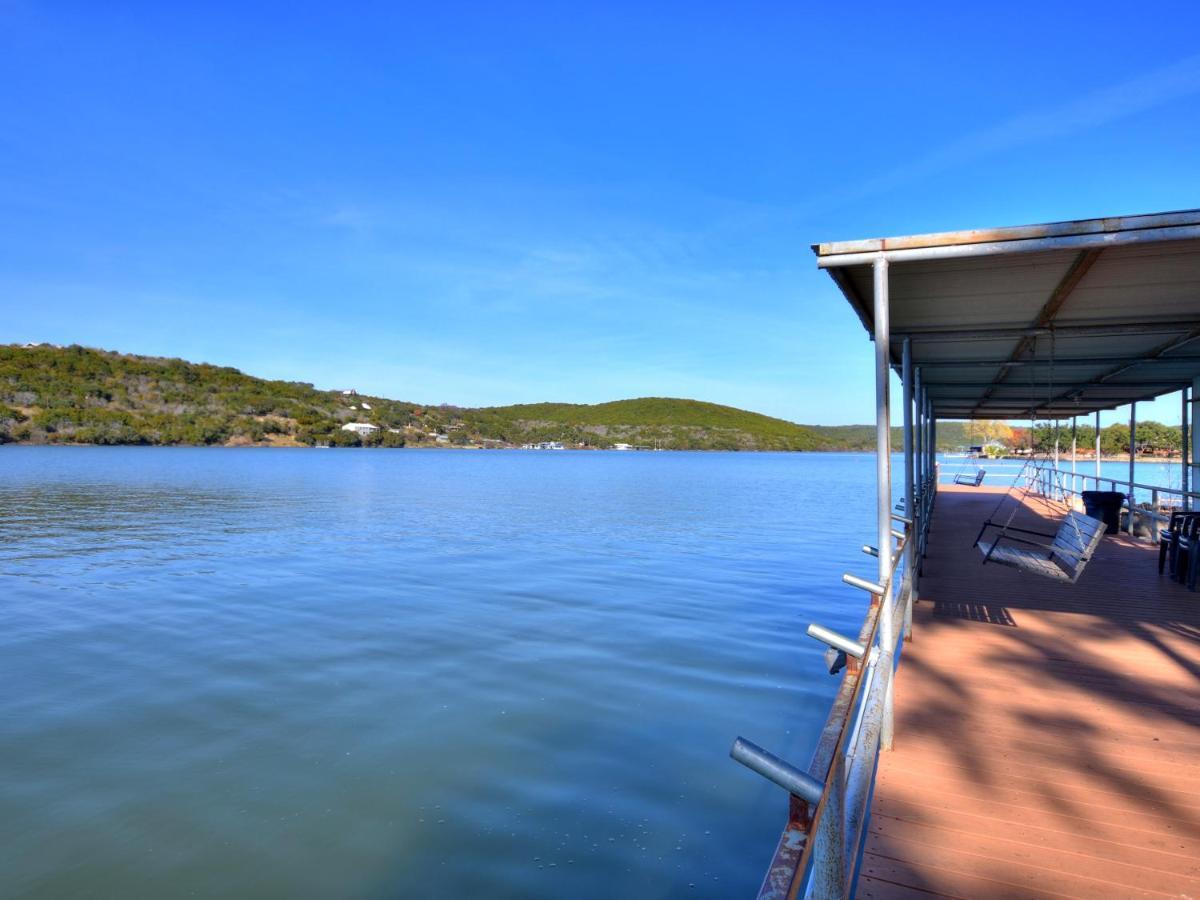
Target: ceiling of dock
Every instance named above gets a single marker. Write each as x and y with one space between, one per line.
1051 320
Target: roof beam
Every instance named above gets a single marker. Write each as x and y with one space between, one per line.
936 386
1062 291
1006 247
1058 363
1112 225
1008 332
1158 353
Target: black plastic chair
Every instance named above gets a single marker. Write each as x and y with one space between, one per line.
1168 540
1187 559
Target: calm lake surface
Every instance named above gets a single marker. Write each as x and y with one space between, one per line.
345 673
301 673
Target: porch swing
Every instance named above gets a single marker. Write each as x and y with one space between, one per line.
969 479
1070 548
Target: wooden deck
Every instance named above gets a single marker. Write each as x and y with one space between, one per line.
1047 735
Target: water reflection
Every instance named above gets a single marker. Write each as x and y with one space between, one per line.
409 674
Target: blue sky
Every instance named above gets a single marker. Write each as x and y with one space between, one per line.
496 203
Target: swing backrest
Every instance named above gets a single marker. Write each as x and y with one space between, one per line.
1076 541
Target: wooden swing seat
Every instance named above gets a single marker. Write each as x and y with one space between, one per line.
970 480
1063 559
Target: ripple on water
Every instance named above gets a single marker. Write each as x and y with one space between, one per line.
406 673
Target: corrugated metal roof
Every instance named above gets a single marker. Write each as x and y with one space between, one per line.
1051 320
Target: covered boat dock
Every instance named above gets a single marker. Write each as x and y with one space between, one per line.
996 733
1047 735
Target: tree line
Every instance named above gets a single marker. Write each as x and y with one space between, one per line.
1153 438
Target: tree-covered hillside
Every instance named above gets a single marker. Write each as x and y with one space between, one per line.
84 396
80 395
648 421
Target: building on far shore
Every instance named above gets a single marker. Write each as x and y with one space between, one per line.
362 429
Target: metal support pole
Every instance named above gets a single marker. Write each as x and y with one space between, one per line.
1184 466
910 494
1097 449
918 436
829 849
1194 434
1132 454
931 432
933 445
883 475
1074 450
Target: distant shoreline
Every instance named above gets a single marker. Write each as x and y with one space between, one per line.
945 463
1066 460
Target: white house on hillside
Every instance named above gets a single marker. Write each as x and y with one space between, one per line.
362 429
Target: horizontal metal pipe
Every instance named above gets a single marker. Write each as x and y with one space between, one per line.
1004 248
771 767
1124 482
855 581
900 518
869 550
1046 361
1002 332
837 641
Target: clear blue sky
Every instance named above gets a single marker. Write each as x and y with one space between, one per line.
494 203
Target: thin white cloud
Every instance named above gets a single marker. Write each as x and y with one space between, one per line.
1101 107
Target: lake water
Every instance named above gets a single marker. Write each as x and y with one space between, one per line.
1006 472
344 673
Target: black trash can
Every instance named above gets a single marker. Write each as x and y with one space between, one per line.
1105 506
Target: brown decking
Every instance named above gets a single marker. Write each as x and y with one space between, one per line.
1047 735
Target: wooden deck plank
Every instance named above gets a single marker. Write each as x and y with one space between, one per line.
1047 735
1182 860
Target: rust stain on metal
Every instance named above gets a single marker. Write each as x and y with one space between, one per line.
791 857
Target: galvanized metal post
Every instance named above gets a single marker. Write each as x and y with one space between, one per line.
1097 449
829 849
925 484
910 494
1194 433
918 437
931 439
1132 454
1184 466
1074 450
931 419
933 464
883 475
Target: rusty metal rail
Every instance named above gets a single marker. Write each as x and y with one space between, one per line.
821 843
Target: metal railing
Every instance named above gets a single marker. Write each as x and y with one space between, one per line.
1064 486
821 845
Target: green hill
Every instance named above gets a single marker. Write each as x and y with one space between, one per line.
647 421
85 396
81 395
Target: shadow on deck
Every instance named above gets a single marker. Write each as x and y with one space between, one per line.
1047 735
